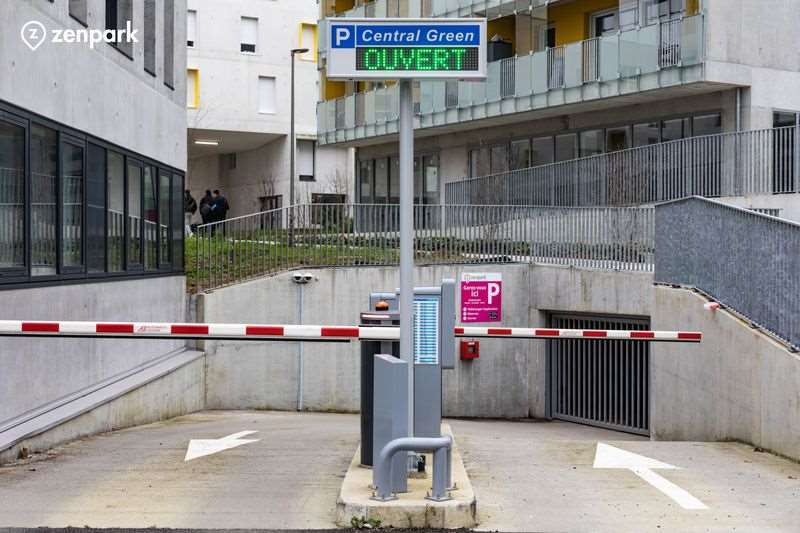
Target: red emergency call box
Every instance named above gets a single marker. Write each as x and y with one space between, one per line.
470 350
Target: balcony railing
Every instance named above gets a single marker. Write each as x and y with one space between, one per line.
571 73
729 164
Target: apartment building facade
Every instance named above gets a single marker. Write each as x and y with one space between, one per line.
572 79
238 99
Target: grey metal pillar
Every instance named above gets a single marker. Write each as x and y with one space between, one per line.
407 239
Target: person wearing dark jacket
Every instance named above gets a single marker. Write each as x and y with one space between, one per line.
189 209
205 207
219 207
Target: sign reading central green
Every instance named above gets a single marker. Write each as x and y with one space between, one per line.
448 58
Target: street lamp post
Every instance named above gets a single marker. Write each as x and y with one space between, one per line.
292 151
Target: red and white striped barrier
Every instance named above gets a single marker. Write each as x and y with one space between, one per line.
159 330
609 334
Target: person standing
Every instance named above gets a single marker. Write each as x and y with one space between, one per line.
189 209
205 207
219 207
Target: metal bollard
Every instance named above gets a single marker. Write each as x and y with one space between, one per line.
440 447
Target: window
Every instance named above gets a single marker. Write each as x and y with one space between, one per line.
72 183
150 219
365 180
164 240
499 161
591 143
77 10
115 216
645 134
784 118
618 138
566 147
95 209
663 10
266 94
675 129
706 125
191 28
604 23
520 154
12 204
119 15
81 209
249 38
628 14
169 43
192 88
134 209
308 39
541 151
44 198
305 160
150 36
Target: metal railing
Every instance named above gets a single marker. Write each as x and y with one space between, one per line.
727 164
756 271
368 234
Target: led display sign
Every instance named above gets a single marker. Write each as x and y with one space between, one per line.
378 49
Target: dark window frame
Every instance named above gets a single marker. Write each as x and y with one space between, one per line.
83 22
20 277
115 45
150 47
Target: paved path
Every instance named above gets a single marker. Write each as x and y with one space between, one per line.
528 476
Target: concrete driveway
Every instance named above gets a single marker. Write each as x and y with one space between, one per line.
528 476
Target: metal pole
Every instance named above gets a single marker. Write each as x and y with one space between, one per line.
291 160
300 370
407 240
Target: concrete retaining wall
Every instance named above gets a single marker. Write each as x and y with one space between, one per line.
738 384
36 372
507 381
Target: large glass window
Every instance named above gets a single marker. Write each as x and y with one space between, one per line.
134 205
520 154
365 178
150 220
645 134
118 14
675 129
164 218
115 216
177 221
707 125
618 139
541 151
95 209
566 147
150 36
12 195
72 206
591 142
44 198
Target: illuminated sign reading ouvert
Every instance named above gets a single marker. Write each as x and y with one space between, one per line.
387 49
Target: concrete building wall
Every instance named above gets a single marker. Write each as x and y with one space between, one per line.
229 112
737 385
507 381
100 90
36 371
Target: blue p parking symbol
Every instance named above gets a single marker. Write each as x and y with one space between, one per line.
344 36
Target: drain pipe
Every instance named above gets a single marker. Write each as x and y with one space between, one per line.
738 109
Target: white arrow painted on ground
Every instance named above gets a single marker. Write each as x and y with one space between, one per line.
608 456
202 447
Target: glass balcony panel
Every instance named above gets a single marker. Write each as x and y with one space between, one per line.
629 49
464 94
331 114
426 97
393 94
322 126
478 92
692 40
573 65
539 72
452 7
522 77
609 57
369 107
648 49
439 7
380 9
493 81
350 112
439 103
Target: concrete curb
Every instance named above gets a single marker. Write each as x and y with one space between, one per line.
410 509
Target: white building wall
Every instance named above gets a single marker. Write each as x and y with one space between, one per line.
98 91
229 104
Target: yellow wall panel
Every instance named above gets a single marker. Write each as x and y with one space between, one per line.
505 27
571 20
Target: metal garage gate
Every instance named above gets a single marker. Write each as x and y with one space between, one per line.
598 382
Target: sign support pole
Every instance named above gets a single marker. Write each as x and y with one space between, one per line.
407 239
